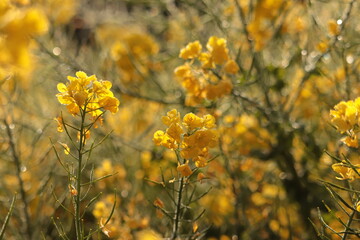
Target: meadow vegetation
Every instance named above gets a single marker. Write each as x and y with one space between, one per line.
179 119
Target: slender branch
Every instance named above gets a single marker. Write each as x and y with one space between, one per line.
7 218
348 225
175 231
21 182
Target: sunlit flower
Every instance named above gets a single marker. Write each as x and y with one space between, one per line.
87 93
60 123
192 121
192 50
218 50
345 171
184 170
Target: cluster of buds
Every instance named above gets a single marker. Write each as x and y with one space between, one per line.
208 80
192 137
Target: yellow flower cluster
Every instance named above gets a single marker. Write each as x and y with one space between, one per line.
219 204
346 118
244 134
17 27
132 51
204 82
259 28
87 94
106 169
193 136
132 55
346 172
60 11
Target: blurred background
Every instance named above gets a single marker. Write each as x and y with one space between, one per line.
293 61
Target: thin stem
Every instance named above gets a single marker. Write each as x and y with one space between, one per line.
348 225
21 182
77 200
7 218
178 210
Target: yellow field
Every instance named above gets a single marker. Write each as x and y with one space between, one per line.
179 119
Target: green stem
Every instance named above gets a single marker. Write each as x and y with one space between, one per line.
348 225
178 210
7 218
78 225
23 194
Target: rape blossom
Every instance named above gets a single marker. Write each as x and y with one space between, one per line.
210 80
87 93
345 118
192 137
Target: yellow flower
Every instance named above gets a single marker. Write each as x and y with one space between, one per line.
66 148
168 142
351 141
158 137
358 206
163 139
322 46
73 190
158 203
200 177
200 161
88 94
192 50
109 103
333 27
209 121
216 91
148 234
35 22
183 71
231 67
194 143
132 51
172 116
189 152
345 171
206 60
218 50
205 138
184 170
345 115
61 11
100 210
60 123
191 121
175 131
